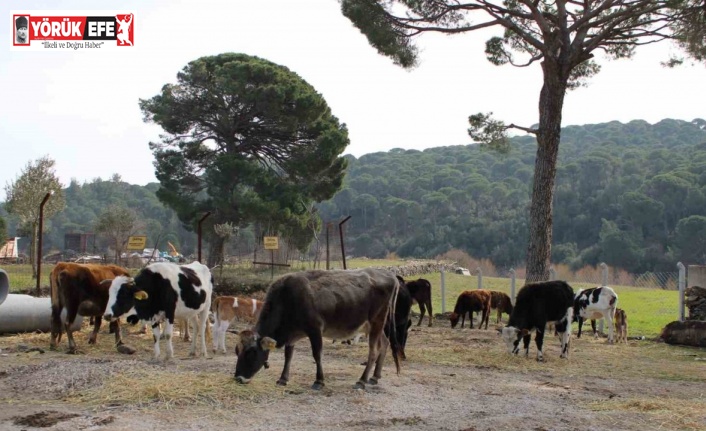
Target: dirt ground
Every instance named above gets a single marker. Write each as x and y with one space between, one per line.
457 379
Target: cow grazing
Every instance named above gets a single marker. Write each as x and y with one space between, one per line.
226 309
500 301
468 302
537 304
80 289
163 292
596 303
421 293
621 325
315 304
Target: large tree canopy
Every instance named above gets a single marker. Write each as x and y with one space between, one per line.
562 36
247 139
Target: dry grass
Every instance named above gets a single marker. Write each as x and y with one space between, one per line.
665 414
145 387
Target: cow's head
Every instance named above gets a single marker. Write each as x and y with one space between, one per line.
122 295
253 352
512 337
454 319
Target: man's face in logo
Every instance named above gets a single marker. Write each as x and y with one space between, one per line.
22 33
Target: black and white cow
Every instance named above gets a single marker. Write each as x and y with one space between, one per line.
537 304
163 292
315 304
596 303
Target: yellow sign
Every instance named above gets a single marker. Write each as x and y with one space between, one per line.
136 242
271 243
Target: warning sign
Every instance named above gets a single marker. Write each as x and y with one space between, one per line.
271 243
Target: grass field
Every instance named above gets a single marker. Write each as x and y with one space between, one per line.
649 310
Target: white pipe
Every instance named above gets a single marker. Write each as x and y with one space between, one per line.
24 313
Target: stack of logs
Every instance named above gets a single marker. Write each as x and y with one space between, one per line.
691 332
695 301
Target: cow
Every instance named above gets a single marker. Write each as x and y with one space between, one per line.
315 304
468 302
228 308
535 306
621 325
81 289
596 303
163 292
421 293
500 301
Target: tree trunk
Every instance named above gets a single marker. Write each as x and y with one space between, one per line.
551 101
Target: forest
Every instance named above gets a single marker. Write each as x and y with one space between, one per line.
631 195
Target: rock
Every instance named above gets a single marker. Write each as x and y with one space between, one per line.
125 349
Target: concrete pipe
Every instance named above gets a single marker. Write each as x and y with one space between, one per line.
24 313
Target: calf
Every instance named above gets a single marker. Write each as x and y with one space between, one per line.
163 292
596 303
468 302
80 289
501 302
420 290
315 304
621 325
535 306
228 308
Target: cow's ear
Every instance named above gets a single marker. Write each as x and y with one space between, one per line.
268 343
130 282
141 295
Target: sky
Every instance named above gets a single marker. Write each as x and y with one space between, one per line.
80 108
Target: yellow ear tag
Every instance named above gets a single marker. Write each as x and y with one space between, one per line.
268 343
141 295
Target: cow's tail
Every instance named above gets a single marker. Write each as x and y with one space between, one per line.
391 308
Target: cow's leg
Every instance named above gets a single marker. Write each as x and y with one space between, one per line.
609 323
500 315
580 326
156 333
563 328
376 331
526 342
216 336
202 320
486 317
470 318
593 327
382 352
115 326
223 329
463 319
71 313
317 345
431 315
539 340
288 352
55 327
422 310
96 327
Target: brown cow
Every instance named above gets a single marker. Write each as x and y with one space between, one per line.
468 302
77 289
621 325
500 301
228 308
421 293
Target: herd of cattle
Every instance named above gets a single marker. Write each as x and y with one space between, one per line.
338 304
